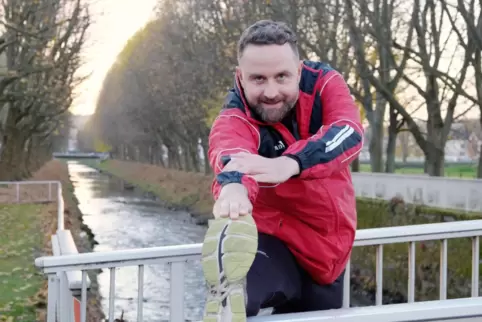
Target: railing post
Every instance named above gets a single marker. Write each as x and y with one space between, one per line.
50 191
346 285
52 297
58 304
475 265
65 299
60 207
177 291
17 186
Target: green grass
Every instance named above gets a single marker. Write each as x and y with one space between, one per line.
454 171
20 235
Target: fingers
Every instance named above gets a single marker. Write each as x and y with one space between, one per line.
233 209
245 208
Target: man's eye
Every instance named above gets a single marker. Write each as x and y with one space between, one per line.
281 77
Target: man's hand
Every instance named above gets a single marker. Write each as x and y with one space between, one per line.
276 170
232 202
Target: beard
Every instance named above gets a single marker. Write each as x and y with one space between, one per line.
272 115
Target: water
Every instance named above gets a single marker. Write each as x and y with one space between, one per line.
123 219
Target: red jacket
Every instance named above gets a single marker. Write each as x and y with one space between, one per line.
315 212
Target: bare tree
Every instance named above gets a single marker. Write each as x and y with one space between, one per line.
466 21
425 57
42 42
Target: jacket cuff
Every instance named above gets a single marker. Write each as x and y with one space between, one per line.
224 178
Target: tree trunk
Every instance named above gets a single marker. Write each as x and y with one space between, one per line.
11 156
392 142
434 161
193 154
205 146
479 168
186 152
30 163
173 159
404 136
181 163
377 135
160 155
376 147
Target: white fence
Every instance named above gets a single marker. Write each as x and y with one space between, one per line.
175 256
440 192
19 191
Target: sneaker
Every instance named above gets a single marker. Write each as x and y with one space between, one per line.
228 252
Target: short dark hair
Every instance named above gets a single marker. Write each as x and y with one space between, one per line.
268 32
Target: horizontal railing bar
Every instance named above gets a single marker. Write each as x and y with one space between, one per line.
28 182
127 257
103 265
364 237
420 311
35 201
434 231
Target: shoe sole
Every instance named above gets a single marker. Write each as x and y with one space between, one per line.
229 246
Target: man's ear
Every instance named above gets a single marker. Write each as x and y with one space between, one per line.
300 69
239 75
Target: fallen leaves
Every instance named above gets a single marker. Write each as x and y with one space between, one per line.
21 236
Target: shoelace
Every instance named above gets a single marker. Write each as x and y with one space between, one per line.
221 290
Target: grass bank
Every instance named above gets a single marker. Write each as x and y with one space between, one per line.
25 233
177 189
191 191
21 238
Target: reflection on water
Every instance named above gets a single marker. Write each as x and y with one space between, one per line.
122 219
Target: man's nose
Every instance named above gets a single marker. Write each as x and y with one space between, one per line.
271 90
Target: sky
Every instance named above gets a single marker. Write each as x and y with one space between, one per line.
113 23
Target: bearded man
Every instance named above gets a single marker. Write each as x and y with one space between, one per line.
285 212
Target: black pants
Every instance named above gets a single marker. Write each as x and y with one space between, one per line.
275 280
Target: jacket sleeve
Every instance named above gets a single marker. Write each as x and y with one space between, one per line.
340 138
231 133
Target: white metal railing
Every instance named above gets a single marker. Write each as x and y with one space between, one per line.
429 191
70 282
54 188
176 256
460 310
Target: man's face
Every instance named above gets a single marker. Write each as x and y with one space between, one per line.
270 75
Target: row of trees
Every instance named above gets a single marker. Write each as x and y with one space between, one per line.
40 44
403 61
